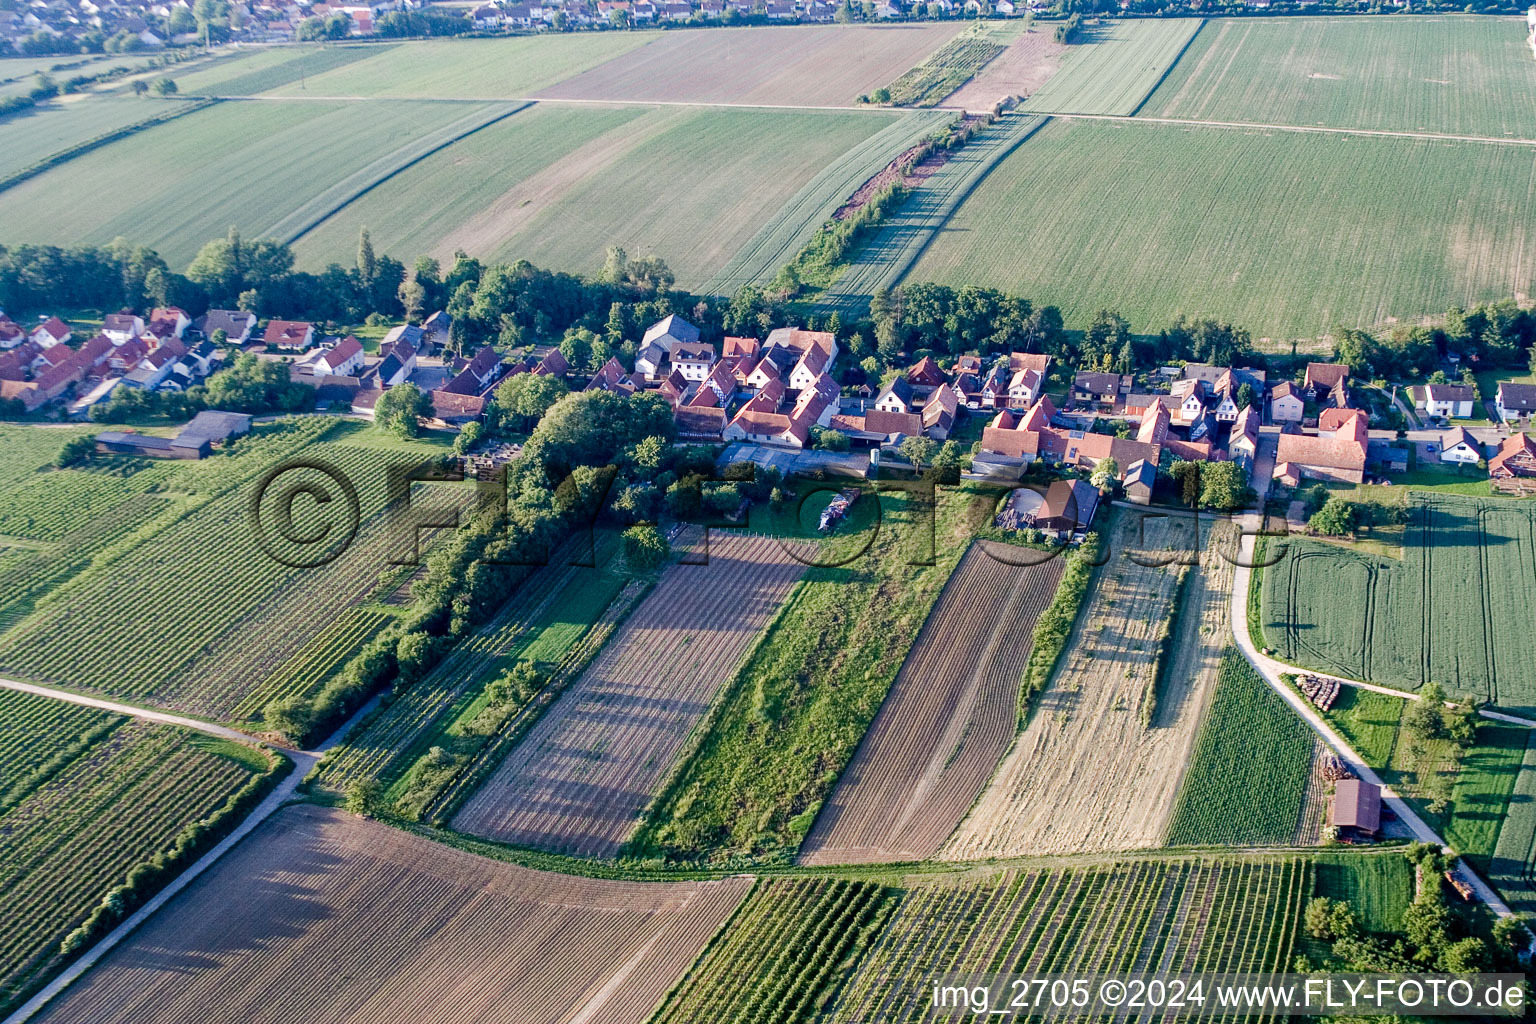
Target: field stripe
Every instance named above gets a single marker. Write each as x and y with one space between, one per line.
1169 69
888 257
322 207
80 148
788 231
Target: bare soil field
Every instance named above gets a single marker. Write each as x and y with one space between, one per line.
803 66
579 780
1085 775
320 916
1025 66
948 719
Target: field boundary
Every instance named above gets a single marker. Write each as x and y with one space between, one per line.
81 148
372 179
1177 58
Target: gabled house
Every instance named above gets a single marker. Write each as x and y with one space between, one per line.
650 360
693 359
1515 401
1243 441
1036 361
397 361
1024 388
437 331
1459 446
168 322
766 372
1286 404
897 396
122 326
925 373
968 364
669 332
939 413
236 324
613 377
1340 457
1332 422
1100 390
1449 401
967 389
994 390
343 359
1140 481
51 332
289 335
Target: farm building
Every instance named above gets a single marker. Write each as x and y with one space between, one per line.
1140 479
1516 458
236 324
216 427
1327 384
1069 506
119 442
1101 390
1341 457
1356 810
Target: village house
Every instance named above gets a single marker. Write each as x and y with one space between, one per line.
1243 441
1286 404
1099 390
1515 401
694 360
925 373
1068 508
1459 446
897 396
397 361
51 332
612 376
1449 401
168 322
1024 387
289 335
235 323
122 327
1332 422
343 359
761 418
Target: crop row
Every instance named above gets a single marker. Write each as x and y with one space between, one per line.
76 836
1229 796
38 736
1146 916
302 673
53 504
386 744
1513 868
793 225
774 959
209 565
943 73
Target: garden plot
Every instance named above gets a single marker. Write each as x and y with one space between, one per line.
321 916
948 718
579 780
1086 774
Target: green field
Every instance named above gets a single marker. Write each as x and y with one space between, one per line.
944 71
1114 67
252 165
37 135
1456 608
1230 796
1513 866
262 70
1379 888
466 188
88 796
508 68
1456 75
1270 230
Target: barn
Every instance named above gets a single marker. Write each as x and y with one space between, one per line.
1356 811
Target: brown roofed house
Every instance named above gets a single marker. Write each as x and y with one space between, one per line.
1356 811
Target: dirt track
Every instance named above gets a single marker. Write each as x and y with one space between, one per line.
320 916
579 780
1086 775
949 716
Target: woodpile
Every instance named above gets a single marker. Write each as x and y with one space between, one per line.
1320 690
1462 888
1334 770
